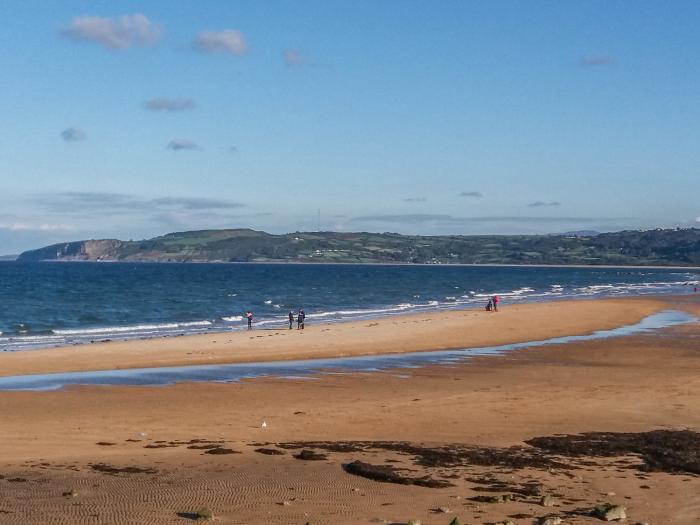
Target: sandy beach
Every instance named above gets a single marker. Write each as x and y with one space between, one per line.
437 330
480 440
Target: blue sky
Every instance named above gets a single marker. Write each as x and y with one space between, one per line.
132 119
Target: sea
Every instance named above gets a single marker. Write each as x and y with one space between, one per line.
58 304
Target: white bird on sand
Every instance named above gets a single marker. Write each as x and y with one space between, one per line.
264 424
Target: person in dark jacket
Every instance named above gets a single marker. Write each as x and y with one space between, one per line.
300 319
291 319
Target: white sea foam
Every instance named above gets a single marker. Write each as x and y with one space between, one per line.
232 318
134 328
368 311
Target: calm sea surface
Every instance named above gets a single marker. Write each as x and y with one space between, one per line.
49 304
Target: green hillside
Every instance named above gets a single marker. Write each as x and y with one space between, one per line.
652 247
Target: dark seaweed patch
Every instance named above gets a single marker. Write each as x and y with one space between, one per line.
448 456
660 450
221 450
387 474
310 455
269 451
108 469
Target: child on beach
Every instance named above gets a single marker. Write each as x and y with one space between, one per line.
249 316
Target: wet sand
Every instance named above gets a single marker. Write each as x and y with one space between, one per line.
410 333
142 455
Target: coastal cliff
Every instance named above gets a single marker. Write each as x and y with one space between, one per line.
91 250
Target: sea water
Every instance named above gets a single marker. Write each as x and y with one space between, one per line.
56 304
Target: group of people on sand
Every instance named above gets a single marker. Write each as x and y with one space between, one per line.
492 305
300 318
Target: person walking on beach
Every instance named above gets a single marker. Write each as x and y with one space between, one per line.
300 319
496 300
291 319
249 316
489 305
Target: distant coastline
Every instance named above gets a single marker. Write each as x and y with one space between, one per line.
325 263
649 248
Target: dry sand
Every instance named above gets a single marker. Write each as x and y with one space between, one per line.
473 412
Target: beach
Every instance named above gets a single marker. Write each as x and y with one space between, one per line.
450 439
425 331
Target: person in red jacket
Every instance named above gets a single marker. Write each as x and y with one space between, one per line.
496 300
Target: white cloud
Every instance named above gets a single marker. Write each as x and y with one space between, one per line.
540 204
73 134
229 41
21 226
169 104
114 33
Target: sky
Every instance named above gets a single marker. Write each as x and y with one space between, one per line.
133 119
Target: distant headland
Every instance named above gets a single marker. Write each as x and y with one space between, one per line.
660 247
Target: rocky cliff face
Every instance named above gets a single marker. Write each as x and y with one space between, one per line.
91 250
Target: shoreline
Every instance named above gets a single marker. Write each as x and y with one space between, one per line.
416 332
396 363
327 263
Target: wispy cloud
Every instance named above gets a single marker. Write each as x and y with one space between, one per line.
194 203
597 60
45 218
73 134
114 33
406 217
25 227
229 41
471 194
169 104
293 57
414 218
415 199
182 144
541 204
79 203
